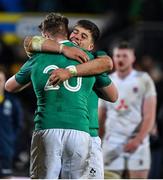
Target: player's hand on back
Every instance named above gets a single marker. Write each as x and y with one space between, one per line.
58 76
75 53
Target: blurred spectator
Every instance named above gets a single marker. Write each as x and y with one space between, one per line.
10 126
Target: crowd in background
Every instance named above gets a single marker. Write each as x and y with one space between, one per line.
137 21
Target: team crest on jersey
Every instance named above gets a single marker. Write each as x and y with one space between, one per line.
135 89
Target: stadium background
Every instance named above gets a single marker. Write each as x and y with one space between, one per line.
139 21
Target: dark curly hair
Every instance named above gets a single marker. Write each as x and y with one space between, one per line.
54 23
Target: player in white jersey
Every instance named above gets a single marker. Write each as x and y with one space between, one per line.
128 121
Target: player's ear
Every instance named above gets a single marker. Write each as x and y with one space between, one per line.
91 46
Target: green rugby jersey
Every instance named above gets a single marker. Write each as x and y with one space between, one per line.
63 106
102 80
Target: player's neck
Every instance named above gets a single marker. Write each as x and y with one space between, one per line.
125 73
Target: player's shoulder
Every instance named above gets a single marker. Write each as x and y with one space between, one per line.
99 53
70 44
35 55
41 56
67 42
141 74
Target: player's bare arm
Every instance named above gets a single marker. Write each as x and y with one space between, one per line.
12 85
108 93
149 112
39 43
96 66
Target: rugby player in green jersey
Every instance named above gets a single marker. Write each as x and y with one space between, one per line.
57 143
83 37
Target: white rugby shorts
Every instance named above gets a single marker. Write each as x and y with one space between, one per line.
59 153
